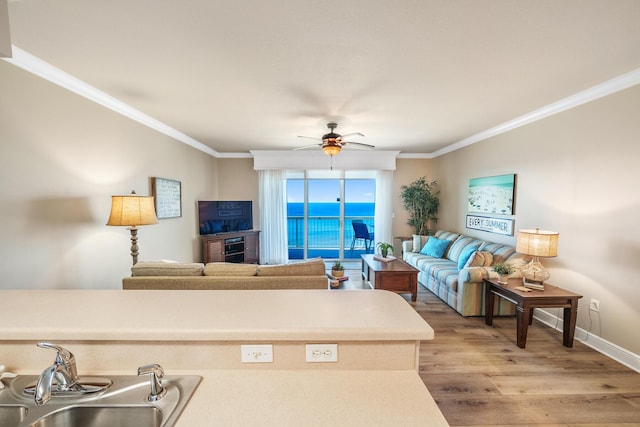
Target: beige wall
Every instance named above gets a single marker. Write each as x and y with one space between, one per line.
62 159
238 181
577 173
407 171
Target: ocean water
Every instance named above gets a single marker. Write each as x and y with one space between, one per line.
331 209
324 228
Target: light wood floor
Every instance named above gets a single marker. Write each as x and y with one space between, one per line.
479 377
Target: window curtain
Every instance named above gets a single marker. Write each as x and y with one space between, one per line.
383 219
273 217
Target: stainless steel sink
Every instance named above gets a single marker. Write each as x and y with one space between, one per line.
124 404
12 415
102 416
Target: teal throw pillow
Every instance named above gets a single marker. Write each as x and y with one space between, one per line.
435 247
464 256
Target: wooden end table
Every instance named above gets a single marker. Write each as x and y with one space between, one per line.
396 276
525 302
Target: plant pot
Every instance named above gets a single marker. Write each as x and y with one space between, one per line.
503 279
337 273
384 253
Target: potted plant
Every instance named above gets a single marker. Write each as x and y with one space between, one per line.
503 270
337 270
384 248
420 199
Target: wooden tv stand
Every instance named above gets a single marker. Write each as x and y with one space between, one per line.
241 247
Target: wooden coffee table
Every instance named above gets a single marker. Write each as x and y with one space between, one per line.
525 302
396 276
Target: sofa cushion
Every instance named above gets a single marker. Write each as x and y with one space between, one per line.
230 269
419 242
435 247
442 270
164 268
308 268
446 235
464 256
480 259
500 252
460 245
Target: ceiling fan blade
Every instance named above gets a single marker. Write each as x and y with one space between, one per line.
359 145
309 137
352 134
307 146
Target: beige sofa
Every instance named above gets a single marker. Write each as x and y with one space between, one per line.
221 275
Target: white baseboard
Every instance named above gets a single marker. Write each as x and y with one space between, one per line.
617 353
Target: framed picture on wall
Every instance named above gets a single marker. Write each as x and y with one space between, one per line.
167 194
492 195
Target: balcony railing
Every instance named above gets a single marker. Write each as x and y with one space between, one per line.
324 237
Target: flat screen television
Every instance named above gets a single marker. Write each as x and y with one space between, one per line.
224 216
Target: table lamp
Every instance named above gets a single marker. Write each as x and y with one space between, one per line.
132 211
537 243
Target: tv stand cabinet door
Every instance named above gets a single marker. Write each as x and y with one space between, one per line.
252 248
212 250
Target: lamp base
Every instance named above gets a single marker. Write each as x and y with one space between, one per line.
134 244
534 273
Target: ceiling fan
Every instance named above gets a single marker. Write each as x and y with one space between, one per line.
333 142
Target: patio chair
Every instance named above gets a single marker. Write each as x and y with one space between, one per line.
361 232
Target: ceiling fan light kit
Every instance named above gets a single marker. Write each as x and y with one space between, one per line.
331 149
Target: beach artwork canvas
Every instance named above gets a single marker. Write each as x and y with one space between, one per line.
494 194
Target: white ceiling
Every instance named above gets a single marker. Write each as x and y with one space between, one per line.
412 75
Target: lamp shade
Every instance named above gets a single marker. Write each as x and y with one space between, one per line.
132 210
538 243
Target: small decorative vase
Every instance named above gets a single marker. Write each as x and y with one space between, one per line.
503 279
337 273
384 253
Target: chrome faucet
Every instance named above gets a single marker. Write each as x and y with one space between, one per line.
155 372
63 370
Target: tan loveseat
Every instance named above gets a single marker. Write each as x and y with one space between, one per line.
221 275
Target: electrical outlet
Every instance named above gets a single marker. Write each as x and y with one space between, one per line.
594 305
322 353
256 353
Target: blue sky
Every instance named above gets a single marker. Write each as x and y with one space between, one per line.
328 190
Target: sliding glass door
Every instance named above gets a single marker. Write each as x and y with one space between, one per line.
321 206
359 208
324 217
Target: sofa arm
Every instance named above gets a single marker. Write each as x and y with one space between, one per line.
407 246
476 274
471 290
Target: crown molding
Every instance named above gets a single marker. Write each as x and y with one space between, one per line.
48 72
415 156
5 33
609 87
43 69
